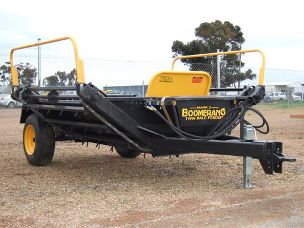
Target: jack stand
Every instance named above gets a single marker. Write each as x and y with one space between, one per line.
247 172
249 133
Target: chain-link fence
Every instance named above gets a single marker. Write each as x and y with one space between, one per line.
225 71
131 77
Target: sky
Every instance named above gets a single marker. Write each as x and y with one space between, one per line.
133 31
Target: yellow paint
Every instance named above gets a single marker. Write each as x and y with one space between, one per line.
175 83
78 62
14 73
210 113
261 72
29 139
107 91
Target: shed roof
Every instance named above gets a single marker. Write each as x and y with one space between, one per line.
288 84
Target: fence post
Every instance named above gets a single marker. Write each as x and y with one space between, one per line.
143 88
288 96
218 62
39 64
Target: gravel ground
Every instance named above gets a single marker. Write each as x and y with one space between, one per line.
86 186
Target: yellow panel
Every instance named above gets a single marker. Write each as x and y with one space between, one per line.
80 71
175 83
15 77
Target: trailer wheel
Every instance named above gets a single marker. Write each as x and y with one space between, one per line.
125 152
38 141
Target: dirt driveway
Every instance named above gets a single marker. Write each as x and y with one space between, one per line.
87 186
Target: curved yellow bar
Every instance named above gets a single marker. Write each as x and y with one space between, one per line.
78 61
262 69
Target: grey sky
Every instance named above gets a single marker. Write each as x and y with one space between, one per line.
145 30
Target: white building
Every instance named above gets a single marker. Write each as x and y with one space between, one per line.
287 87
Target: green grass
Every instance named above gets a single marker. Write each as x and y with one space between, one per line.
283 104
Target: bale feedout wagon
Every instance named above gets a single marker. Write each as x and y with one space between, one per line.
177 116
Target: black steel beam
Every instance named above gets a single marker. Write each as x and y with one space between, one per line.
269 153
105 109
226 89
101 127
50 88
60 97
54 107
168 146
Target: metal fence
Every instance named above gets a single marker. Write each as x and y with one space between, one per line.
132 77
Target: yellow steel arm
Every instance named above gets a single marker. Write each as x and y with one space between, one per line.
262 69
79 63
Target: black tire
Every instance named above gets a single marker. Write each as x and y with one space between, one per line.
38 141
125 152
11 105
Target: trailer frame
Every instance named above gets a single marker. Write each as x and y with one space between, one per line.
145 124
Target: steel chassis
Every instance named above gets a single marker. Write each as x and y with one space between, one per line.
92 116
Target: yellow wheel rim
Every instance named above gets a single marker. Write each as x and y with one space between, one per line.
29 139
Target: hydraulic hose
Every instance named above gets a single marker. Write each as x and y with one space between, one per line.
212 135
258 127
225 125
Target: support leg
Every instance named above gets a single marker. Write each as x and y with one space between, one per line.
247 172
248 134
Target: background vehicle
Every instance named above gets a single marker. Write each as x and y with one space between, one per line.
296 97
275 96
7 101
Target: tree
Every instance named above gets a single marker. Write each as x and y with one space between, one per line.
51 81
71 77
61 78
5 70
212 36
27 73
